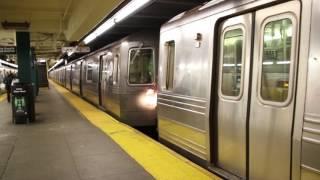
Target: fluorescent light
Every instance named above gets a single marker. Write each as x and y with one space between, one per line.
90 38
229 65
267 63
127 10
104 27
130 8
42 60
55 65
283 62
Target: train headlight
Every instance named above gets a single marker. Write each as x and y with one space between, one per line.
149 99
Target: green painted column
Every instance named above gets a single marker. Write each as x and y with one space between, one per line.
34 70
24 57
26 69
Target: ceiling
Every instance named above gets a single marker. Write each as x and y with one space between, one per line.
58 23
53 23
150 17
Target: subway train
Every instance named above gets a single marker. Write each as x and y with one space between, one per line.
6 68
237 87
119 78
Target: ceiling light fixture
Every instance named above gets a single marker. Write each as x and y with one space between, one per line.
123 13
55 65
42 60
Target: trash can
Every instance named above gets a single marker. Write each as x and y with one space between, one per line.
19 101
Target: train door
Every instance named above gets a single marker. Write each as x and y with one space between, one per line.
273 91
100 79
106 78
71 76
235 47
255 110
81 76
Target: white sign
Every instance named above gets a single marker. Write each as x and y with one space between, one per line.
77 49
8 50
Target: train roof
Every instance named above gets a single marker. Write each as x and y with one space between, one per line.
145 35
208 9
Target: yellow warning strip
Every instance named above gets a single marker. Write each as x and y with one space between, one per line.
158 160
2 97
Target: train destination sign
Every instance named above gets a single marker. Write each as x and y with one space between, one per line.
8 50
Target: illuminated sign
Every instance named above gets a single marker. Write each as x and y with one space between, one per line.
8 50
77 49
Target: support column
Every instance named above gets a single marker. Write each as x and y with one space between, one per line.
26 70
24 57
34 71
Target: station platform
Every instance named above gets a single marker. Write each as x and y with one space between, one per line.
72 139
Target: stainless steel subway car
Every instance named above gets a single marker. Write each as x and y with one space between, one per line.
59 75
120 78
239 87
6 68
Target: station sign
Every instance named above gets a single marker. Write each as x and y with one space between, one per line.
77 49
8 50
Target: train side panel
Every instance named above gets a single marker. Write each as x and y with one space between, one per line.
62 76
183 97
68 77
310 160
184 109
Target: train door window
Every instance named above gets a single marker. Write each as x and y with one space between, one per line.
95 77
232 62
116 69
277 61
170 54
141 67
109 70
108 63
74 70
89 74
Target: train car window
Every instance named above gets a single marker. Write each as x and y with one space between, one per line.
89 74
232 55
170 53
141 68
276 60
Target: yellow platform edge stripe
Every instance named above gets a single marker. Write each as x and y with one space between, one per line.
2 97
161 162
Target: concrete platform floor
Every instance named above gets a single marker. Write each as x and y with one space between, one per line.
60 145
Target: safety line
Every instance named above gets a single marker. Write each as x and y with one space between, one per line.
2 97
161 162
